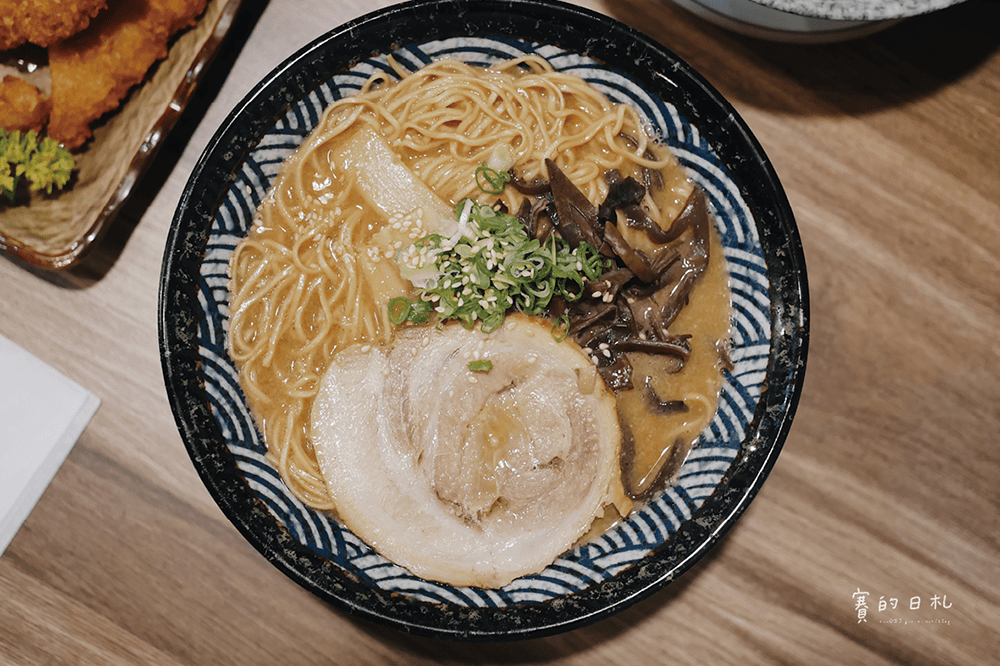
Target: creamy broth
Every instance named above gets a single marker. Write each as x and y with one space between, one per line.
658 443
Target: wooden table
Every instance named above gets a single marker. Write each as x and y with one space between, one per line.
889 149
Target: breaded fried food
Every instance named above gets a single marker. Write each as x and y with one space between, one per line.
23 107
94 70
44 22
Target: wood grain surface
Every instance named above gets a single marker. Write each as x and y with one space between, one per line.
889 150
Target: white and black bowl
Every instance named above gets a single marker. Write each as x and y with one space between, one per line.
810 21
728 463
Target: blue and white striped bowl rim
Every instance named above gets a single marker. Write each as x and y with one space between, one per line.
621 547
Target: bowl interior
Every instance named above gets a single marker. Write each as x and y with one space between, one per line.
729 461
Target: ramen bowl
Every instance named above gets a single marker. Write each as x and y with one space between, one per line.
727 465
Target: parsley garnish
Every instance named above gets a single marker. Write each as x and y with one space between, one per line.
44 163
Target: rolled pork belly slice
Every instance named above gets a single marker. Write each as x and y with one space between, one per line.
466 477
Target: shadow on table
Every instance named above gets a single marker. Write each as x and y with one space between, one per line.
905 62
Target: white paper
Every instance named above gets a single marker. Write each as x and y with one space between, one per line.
42 414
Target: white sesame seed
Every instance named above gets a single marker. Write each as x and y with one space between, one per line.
603 345
366 349
607 353
596 294
473 380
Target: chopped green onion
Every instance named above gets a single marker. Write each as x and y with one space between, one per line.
420 312
484 365
494 266
399 310
491 181
560 329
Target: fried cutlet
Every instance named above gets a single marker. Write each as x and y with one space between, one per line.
94 70
22 106
44 22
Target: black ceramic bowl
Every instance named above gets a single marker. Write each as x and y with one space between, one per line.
729 462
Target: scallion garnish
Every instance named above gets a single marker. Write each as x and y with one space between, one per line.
399 310
482 365
491 266
560 329
491 181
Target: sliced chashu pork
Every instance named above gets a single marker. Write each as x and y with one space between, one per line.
469 478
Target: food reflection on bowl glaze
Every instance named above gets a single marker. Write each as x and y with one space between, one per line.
390 165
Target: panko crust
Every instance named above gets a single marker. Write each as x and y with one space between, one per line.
22 106
94 70
44 22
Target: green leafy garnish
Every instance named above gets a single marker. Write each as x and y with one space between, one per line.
482 365
44 163
489 266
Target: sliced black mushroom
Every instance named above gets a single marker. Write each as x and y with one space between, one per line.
576 217
622 192
664 407
535 188
537 218
674 346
